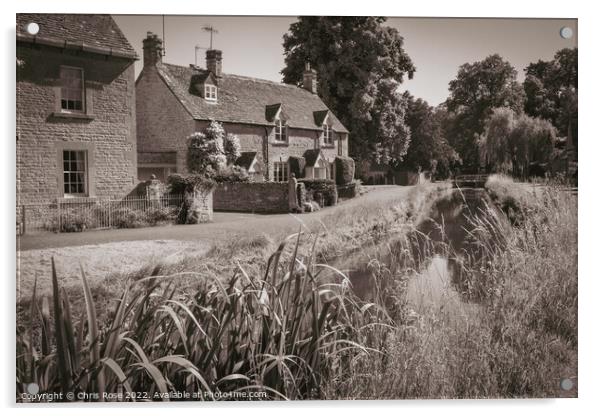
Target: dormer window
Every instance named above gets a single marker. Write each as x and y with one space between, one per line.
210 92
72 89
280 131
327 135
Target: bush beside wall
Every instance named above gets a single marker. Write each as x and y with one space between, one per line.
344 169
321 190
348 191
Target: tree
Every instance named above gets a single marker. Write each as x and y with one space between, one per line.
551 91
210 151
360 65
513 142
428 149
477 89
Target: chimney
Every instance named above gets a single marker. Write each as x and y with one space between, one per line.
214 61
153 49
310 79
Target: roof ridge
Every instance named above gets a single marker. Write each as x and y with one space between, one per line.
229 75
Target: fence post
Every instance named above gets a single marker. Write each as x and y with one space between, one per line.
58 210
109 214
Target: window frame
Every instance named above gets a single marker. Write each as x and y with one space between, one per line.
280 171
280 130
210 92
82 100
327 135
85 172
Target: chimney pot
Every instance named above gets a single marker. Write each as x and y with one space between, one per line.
152 46
214 61
310 79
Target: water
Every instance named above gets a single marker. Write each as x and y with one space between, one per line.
434 283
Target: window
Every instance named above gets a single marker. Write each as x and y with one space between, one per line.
331 171
72 89
74 172
280 171
280 135
210 92
327 134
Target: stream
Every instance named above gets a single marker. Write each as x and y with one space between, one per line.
430 259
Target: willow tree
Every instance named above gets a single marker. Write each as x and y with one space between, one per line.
512 142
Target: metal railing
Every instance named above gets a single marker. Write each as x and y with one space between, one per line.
81 214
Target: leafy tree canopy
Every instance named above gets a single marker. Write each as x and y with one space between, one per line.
551 91
428 149
477 89
360 64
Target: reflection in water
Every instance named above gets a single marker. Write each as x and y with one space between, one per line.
443 243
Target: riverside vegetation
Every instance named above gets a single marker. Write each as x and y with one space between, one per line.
258 316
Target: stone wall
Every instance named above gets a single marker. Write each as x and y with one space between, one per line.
107 129
258 197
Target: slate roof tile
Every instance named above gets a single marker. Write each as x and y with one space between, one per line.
97 31
244 100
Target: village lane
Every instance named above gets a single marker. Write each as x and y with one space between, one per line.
225 225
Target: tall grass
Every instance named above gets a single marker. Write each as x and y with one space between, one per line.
293 328
518 340
282 333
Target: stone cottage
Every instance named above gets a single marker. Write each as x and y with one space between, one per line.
273 121
76 124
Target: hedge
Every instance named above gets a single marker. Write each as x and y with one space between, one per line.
321 190
350 190
344 169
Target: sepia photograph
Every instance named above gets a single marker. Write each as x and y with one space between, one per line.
261 208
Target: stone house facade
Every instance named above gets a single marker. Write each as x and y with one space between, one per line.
273 121
76 123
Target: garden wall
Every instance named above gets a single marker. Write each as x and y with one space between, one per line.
260 197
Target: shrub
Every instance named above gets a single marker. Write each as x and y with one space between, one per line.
297 165
72 222
231 174
350 190
179 184
301 193
160 215
321 189
125 217
345 170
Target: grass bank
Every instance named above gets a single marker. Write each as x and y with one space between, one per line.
256 315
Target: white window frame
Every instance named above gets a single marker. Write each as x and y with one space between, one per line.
280 131
281 171
327 135
65 89
69 172
210 92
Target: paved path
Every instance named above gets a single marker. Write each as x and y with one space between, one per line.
225 225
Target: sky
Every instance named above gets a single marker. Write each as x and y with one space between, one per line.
252 45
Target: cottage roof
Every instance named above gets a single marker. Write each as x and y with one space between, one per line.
246 159
311 157
245 100
95 33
